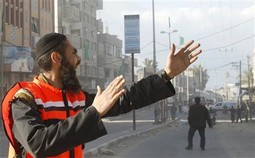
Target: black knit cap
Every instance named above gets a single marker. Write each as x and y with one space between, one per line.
197 99
48 43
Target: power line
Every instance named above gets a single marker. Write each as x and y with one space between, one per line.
225 29
219 67
146 45
231 44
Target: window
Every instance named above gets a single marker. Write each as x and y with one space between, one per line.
85 33
76 32
35 25
87 43
77 5
7 14
21 19
17 18
107 73
12 15
21 5
95 45
49 1
92 35
46 5
17 3
91 45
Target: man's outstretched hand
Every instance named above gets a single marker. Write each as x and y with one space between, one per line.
104 100
180 61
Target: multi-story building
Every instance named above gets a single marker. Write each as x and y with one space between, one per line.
23 23
77 20
109 57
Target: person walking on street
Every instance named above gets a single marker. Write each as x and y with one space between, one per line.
232 114
212 114
198 116
173 110
239 114
246 110
52 116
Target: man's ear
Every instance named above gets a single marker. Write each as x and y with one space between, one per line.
56 57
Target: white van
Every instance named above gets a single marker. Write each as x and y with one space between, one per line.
220 105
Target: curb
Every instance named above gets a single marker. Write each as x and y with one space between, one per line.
97 150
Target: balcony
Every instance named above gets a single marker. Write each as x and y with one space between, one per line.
99 4
75 40
70 14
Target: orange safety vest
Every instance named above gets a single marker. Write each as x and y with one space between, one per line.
46 97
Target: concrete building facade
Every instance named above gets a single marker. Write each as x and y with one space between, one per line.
77 20
23 23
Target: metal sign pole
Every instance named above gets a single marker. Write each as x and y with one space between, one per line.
133 80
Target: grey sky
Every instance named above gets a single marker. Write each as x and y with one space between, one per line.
225 29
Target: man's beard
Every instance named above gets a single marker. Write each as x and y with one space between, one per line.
69 78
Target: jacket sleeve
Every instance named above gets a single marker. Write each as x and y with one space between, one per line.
143 93
190 115
41 140
208 119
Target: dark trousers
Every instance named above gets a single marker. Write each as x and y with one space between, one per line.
191 133
239 117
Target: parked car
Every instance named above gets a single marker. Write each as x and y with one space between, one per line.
220 105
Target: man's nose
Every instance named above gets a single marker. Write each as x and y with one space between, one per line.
78 57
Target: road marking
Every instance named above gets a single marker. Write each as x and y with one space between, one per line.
128 121
220 121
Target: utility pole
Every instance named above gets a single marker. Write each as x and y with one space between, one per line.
240 79
169 32
156 106
249 87
164 106
169 40
240 91
187 86
200 77
154 39
2 31
248 78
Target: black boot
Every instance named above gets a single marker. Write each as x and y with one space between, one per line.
189 147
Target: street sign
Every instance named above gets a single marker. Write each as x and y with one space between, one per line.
132 34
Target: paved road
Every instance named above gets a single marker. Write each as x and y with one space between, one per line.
225 140
123 125
121 128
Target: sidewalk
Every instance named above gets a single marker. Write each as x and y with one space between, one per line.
3 143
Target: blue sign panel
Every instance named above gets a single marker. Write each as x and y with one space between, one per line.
132 34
